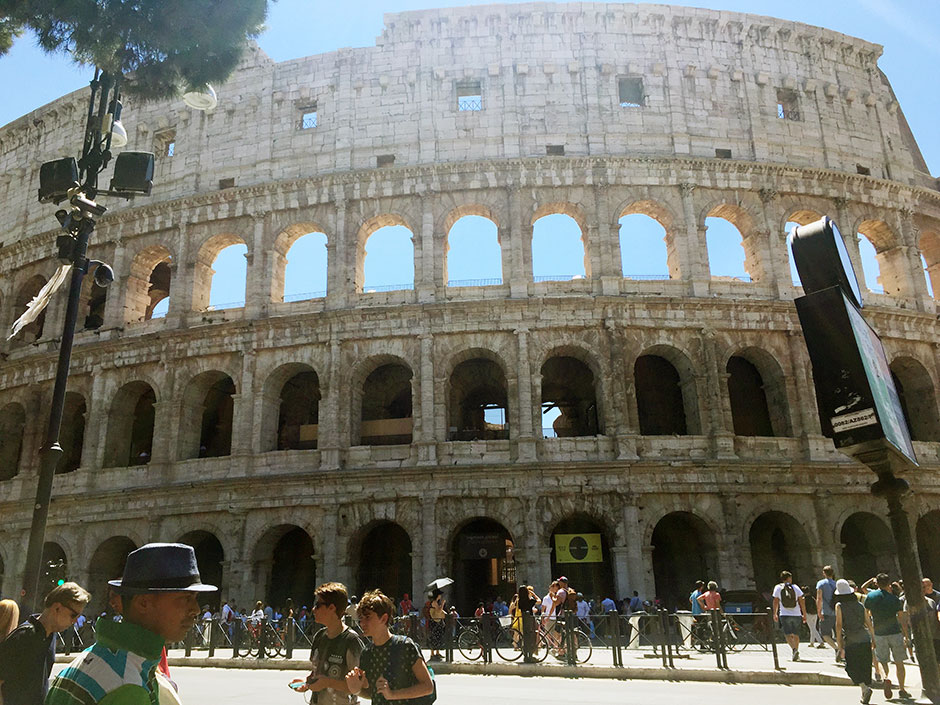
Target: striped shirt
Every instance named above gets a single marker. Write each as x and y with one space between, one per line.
119 669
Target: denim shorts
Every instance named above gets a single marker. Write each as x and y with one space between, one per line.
827 625
890 645
790 624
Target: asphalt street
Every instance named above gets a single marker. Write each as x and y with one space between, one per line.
242 687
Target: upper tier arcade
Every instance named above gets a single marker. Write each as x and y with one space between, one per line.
579 79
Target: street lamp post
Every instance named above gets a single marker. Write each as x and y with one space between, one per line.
58 182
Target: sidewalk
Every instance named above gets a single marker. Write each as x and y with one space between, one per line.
817 666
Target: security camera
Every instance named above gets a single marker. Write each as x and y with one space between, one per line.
104 275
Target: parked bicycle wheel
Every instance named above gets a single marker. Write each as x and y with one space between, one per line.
734 640
582 646
508 644
540 648
470 644
273 643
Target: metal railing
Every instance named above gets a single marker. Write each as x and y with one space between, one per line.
475 282
558 277
388 287
288 298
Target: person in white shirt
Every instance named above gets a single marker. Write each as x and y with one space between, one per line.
789 611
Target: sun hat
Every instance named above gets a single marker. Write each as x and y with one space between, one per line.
161 567
843 587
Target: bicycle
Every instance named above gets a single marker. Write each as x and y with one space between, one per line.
273 641
703 634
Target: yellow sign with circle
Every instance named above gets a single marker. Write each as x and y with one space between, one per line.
578 548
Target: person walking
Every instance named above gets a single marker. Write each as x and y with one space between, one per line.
825 612
929 616
391 667
28 652
157 596
335 650
854 634
527 602
710 599
789 611
437 614
890 635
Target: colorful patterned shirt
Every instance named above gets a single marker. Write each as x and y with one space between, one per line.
119 669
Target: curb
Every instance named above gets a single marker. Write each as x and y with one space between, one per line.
535 669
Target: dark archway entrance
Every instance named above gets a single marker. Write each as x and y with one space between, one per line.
209 558
581 551
867 547
684 551
779 542
483 564
54 565
928 546
286 567
749 410
106 564
299 411
385 561
659 398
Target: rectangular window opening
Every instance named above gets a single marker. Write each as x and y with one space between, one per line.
863 170
308 117
469 96
723 153
555 150
226 183
164 143
385 160
630 89
788 106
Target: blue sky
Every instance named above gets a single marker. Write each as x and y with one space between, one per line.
906 28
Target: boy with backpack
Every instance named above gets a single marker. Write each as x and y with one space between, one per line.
391 667
789 611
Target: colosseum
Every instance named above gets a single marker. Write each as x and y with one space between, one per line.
388 437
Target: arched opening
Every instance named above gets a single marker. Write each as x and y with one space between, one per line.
928 547
867 547
870 265
285 566
53 565
72 433
474 256
229 278
107 563
484 564
779 542
12 428
209 558
389 260
930 258
644 248
479 407
130 426
206 418
569 399
684 550
385 561
885 262
749 409
726 254
299 411
580 550
918 398
148 285
558 250
304 268
32 331
660 397
386 407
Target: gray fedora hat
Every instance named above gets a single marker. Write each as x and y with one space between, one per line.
161 567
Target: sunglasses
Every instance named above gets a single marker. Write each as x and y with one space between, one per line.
75 615
319 604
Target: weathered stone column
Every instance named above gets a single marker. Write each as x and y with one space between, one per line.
424 411
166 420
181 287
525 440
258 276
340 275
692 251
330 441
619 557
96 424
328 563
426 259
717 404
519 273
429 541
243 425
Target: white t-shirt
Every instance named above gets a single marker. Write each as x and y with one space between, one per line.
547 603
789 611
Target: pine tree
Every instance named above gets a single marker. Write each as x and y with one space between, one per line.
160 46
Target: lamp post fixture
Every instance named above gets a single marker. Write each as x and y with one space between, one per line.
77 183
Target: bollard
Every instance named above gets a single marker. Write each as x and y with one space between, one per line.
773 638
188 641
289 638
615 632
236 636
213 626
716 631
450 628
665 637
571 644
262 638
486 626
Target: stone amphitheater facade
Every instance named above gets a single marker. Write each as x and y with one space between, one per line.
752 119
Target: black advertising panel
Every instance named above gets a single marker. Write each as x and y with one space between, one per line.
858 402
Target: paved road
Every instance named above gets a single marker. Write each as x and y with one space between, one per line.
200 686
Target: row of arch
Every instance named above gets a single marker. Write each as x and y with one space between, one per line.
561 239
480 405
481 556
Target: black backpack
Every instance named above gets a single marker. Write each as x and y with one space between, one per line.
788 596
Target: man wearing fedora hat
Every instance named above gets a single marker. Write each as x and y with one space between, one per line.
158 598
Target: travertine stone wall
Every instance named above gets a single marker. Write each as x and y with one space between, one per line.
549 77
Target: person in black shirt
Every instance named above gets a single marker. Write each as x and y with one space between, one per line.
27 654
528 601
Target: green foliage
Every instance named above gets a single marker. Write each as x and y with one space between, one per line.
160 46
8 32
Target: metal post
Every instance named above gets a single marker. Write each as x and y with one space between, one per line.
52 451
450 624
773 639
571 644
615 632
237 627
213 626
262 637
892 489
289 638
188 641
